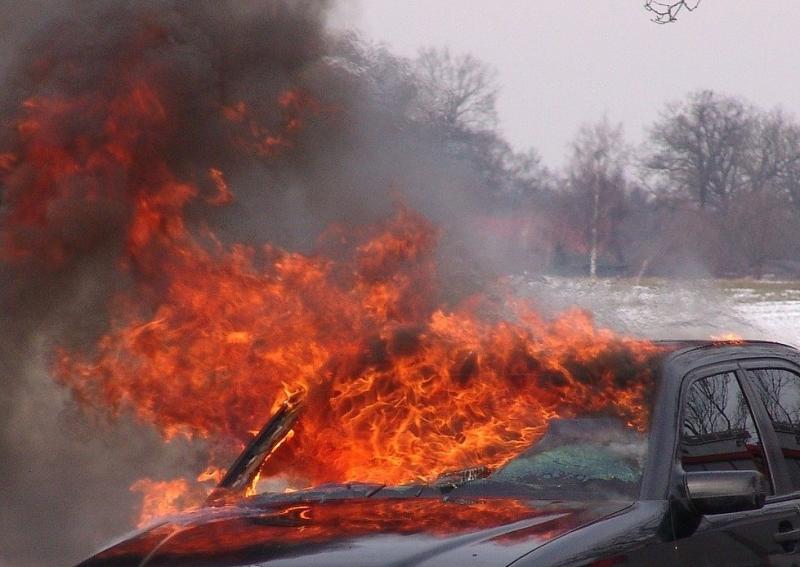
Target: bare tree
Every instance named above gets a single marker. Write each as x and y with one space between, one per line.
776 387
389 78
773 151
707 406
459 90
597 181
700 147
782 143
667 12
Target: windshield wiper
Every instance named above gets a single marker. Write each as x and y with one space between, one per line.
244 470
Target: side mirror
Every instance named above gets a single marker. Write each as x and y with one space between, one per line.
721 492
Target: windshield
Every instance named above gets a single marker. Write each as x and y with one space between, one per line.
591 457
597 458
581 457
594 450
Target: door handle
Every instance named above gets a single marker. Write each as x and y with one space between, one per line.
787 537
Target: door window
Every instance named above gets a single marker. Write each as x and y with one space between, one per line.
779 391
718 428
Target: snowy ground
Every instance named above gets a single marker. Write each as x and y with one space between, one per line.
679 309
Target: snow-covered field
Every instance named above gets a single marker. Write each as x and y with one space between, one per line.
678 309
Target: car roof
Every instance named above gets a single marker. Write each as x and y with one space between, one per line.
689 354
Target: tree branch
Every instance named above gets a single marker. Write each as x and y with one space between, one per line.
667 12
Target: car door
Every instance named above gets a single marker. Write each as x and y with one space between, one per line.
776 385
720 430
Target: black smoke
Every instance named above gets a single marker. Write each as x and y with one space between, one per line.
65 474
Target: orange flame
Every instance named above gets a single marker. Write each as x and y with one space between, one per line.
296 107
732 338
162 498
399 389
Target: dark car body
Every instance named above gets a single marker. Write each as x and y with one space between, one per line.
706 515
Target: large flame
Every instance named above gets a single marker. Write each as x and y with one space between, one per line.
400 383
398 388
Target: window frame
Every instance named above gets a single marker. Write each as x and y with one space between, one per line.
774 461
783 489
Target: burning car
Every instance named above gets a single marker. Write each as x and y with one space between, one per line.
709 476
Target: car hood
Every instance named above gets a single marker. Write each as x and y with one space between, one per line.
356 531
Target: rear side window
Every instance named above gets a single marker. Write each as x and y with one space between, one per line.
779 390
718 428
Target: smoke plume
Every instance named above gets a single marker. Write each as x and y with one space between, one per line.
110 111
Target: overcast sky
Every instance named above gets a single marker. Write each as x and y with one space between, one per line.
565 62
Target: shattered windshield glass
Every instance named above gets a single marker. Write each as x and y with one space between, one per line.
581 455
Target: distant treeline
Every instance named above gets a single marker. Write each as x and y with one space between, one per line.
713 191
